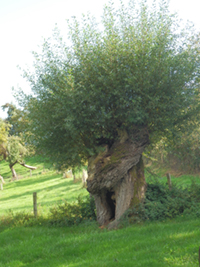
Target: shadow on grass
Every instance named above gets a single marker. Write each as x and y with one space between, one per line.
64 185
41 178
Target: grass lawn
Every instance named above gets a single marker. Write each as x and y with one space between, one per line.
158 244
51 188
174 243
183 180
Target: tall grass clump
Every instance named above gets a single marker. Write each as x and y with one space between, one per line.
68 214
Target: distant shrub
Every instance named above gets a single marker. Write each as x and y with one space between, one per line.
20 219
72 214
161 203
65 214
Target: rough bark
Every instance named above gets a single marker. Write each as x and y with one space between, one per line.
116 176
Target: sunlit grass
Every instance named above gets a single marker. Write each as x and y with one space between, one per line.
182 181
159 244
51 188
152 245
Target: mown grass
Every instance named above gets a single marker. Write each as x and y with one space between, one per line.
51 188
155 244
36 161
182 181
173 243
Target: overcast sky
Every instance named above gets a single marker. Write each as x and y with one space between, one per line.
24 23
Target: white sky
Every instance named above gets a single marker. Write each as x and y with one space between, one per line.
24 23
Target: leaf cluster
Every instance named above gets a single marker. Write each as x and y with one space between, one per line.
16 119
180 152
137 68
15 150
12 148
4 129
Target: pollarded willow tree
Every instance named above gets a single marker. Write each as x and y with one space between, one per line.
101 99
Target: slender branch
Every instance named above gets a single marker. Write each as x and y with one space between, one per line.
27 166
12 164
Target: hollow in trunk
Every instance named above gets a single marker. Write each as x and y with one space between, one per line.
116 177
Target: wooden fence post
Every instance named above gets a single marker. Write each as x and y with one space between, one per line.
35 203
199 256
169 181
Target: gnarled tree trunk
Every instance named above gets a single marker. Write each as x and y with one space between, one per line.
116 176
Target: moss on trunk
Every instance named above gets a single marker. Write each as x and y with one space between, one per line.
138 179
116 177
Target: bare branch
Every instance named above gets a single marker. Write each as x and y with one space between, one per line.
27 166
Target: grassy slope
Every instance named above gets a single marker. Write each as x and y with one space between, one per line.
183 180
51 188
172 243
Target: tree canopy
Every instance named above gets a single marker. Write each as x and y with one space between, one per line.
15 118
136 69
12 148
4 128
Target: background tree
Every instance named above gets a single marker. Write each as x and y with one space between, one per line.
12 148
4 129
180 155
13 151
101 97
17 120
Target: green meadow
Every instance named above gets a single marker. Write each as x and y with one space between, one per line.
50 186
155 244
